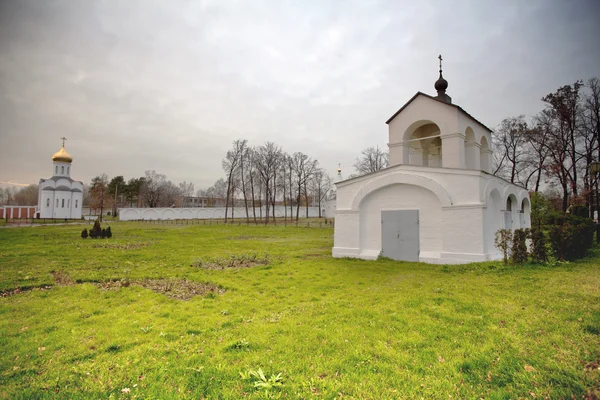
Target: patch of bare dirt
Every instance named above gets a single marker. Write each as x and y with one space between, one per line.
246 237
121 246
233 261
180 289
62 278
12 292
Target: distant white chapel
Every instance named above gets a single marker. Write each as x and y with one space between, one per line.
438 201
60 196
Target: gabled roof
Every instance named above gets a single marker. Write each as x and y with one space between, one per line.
440 101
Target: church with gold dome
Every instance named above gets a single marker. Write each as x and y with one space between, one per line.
60 196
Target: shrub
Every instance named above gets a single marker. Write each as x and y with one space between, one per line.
503 242
519 254
538 245
571 236
542 211
108 232
103 233
96 231
580 211
84 233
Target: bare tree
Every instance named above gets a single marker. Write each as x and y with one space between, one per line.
99 196
567 114
537 139
27 196
230 164
153 188
372 159
187 190
268 158
320 183
510 141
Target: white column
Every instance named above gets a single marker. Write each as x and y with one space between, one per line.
453 150
398 153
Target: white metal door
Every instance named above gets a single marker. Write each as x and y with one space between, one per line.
400 234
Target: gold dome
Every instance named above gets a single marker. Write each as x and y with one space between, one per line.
62 155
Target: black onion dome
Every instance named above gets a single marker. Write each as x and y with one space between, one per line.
441 84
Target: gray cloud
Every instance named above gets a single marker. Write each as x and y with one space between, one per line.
160 85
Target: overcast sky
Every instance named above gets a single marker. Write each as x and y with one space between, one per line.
168 85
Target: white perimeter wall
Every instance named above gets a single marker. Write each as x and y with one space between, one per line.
131 214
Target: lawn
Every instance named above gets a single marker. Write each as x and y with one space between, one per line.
164 311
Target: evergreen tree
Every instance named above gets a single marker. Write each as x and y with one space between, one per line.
84 233
96 230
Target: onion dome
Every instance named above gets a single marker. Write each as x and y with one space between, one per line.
441 84
62 156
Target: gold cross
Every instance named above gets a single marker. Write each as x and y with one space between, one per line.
63 139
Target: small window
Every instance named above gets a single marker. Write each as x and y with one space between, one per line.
68 202
62 169
76 201
68 168
48 202
63 203
56 169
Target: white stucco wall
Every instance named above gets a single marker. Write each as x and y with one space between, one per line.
459 148
401 197
132 214
460 210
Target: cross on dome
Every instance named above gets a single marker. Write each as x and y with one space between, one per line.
441 85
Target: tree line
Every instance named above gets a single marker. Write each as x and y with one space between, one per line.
25 196
151 190
556 147
266 176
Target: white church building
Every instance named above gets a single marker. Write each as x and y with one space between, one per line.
60 196
437 202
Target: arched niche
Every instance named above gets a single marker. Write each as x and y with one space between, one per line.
494 221
472 148
485 155
511 209
525 213
424 143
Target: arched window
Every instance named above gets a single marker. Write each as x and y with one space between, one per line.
508 204
62 169
56 203
56 169
48 202
68 202
76 201
68 168
63 203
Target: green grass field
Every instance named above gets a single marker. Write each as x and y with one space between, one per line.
164 311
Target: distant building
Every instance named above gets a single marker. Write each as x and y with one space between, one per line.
60 196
